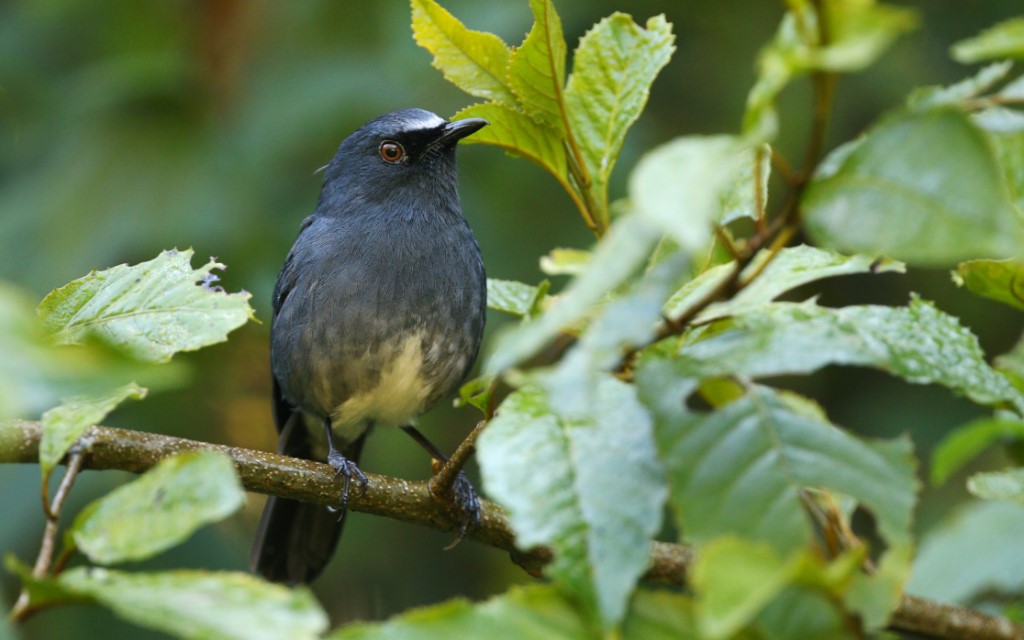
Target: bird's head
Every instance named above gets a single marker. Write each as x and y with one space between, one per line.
405 153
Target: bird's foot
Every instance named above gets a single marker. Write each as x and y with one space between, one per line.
345 468
463 504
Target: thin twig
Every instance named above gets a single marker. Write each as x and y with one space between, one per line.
444 478
22 608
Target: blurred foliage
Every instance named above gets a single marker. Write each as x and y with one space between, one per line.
127 128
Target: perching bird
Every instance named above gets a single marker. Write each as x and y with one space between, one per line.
377 314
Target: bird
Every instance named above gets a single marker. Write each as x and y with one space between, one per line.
378 313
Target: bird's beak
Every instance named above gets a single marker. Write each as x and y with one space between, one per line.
455 131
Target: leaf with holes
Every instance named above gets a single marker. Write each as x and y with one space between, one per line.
151 310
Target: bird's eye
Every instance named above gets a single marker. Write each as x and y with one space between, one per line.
391 151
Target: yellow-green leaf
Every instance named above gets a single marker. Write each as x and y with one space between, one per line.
475 61
613 69
537 67
1003 40
517 133
65 424
1000 280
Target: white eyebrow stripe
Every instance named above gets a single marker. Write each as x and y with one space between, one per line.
429 121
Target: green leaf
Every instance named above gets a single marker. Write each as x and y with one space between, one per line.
874 597
477 392
620 253
680 186
151 310
746 195
627 322
614 67
1011 365
201 604
803 613
1006 135
975 550
475 61
925 98
41 591
65 424
790 268
537 68
744 584
535 612
964 444
758 451
734 580
697 290
516 298
859 33
565 262
894 194
998 485
160 509
787 338
35 373
1004 40
515 132
778 62
591 490
659 615
1000 280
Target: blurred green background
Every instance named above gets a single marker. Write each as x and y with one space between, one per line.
127 128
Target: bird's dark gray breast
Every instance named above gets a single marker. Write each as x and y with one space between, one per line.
377 319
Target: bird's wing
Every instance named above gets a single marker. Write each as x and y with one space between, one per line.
283 409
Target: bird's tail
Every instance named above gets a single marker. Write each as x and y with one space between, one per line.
295 540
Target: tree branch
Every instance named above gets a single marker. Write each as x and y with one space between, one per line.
271 473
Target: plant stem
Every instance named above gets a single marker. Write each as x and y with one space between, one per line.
445 477
22 607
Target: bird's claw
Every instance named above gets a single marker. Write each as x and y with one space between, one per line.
345 468
464 504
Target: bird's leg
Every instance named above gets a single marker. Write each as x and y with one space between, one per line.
342 467
460 498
